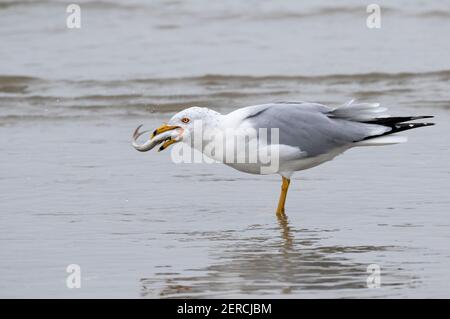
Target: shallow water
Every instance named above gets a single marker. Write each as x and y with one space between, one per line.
72 189
140 225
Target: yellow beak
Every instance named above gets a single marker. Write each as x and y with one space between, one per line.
163 128
166 144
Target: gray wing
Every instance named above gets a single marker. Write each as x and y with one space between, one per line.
314 128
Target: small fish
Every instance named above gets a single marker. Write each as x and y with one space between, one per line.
167 136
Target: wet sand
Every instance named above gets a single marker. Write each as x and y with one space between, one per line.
141 226
74 191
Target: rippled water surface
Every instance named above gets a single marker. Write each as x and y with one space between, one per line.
73 191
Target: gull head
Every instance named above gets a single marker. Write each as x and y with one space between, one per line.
179 128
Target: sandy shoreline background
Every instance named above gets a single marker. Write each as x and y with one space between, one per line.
74 191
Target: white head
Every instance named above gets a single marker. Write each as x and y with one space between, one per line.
180 127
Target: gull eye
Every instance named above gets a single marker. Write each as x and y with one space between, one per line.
185 120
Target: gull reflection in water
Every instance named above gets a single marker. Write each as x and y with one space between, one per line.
273 262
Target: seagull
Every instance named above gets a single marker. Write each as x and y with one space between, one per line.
307 134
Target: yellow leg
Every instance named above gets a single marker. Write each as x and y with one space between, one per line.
282 200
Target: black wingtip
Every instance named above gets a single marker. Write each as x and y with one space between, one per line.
400 127
389 121
423 117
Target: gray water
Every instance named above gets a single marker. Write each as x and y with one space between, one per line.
73 191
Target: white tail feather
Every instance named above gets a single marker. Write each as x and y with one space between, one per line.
359 111
383 140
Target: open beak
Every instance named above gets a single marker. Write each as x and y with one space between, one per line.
164 128
165 134
166 144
